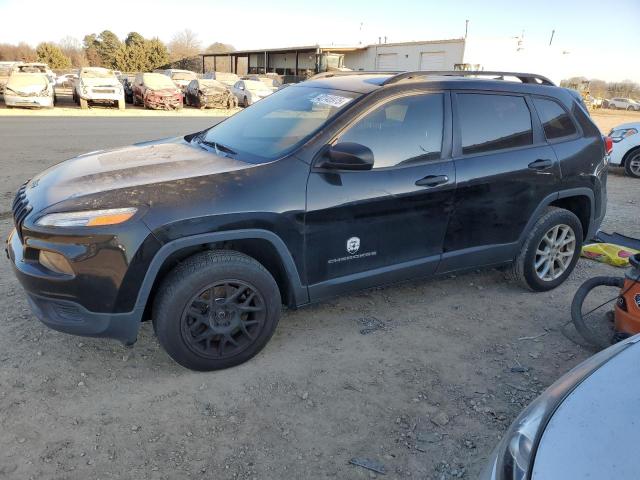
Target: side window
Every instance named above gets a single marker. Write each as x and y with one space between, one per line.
555 120
404 130
493 122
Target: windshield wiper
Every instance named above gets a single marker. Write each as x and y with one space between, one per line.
218 147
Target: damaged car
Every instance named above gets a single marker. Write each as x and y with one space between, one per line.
203 93
35 67
229 79
181 78
98 85
29 90
156 91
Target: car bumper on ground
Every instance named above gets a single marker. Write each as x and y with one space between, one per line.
20 101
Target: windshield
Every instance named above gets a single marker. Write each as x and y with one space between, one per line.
270 82
98 73
157 81
18 80
255 85
279 123
183 76
207 83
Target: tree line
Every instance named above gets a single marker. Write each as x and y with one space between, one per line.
602 89
132 54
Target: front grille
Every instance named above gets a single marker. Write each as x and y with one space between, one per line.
104 90
20 209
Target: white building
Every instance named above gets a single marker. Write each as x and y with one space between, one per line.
426 55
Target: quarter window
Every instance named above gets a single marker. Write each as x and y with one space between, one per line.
493 122
405 130
555 120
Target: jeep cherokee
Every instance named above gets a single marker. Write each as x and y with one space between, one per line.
328 186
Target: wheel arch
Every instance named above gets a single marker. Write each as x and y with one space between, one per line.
262 245
579 201
628 154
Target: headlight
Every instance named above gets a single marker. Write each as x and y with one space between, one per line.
621 134
513 457
91 218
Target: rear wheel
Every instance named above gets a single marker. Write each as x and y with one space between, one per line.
550 252
245 102
632 165
215 310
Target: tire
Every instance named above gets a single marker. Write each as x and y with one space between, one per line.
524 269
630 108
576 308
632 164
200 340
612 106
245 102
83 104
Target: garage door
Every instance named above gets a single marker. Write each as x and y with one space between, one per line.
387 61
432 61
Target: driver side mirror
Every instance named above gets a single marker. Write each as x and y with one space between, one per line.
348 156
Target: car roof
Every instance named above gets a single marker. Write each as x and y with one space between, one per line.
370 81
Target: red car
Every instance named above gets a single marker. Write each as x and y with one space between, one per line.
157 91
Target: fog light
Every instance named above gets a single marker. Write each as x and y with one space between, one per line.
55 262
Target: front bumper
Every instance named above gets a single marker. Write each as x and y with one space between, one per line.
103 97
60 301
70 317
20 101
163 103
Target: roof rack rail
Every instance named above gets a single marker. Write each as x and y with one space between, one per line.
533 78
343 73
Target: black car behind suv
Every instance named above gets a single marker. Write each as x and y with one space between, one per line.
335 184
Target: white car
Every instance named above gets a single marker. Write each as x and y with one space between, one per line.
585 426
249 92
626 148
181 78
229 79
29 90
96 84
624 104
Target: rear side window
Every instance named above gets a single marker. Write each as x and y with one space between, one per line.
555 120
493 122
404 130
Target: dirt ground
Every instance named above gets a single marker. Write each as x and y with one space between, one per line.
422 378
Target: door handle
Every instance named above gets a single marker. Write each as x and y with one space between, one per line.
432 180
541 164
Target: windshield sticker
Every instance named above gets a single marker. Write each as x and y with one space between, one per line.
335 101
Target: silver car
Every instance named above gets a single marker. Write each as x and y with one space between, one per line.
584 426
29 90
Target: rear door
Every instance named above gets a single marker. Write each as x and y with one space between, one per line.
504 170
365 228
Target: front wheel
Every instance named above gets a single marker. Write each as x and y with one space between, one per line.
550 251
215 310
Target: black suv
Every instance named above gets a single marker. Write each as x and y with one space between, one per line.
325 187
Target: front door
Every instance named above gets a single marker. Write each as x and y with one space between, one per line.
364 228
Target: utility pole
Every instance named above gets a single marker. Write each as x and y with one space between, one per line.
553 32
466 28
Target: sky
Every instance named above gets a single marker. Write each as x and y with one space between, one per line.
602 41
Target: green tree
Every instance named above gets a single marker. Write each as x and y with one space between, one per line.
157 53
51 54
89 43
107 44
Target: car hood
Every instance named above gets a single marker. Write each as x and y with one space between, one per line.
594 432
126 171
164 92
99 82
